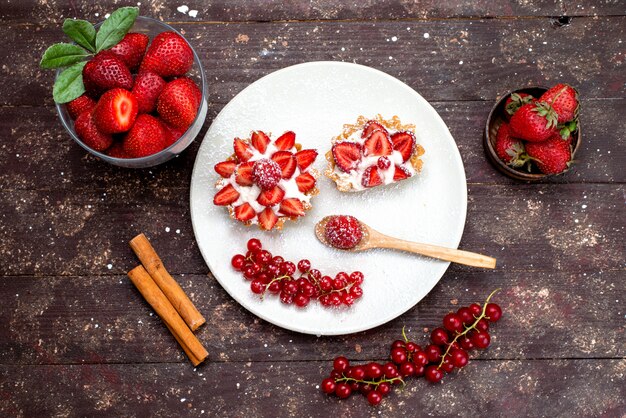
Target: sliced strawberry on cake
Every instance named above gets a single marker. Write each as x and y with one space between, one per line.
373 153
266 182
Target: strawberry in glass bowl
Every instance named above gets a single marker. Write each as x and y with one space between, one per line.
130 90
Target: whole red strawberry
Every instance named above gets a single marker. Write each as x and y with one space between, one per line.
564 100
146 137
79 105
131 49
178 103
116 111
514 102
89 134
104 72
172 134
534 122
117 151
510 150
148 86
169 55
552 156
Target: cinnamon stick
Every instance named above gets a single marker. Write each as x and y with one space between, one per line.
160 303
153 264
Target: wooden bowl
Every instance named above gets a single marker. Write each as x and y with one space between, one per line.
495 119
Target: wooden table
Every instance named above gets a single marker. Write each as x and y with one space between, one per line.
77 340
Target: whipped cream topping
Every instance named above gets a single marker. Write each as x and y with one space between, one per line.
354 177
250 194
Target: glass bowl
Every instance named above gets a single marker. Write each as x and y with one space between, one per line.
151 27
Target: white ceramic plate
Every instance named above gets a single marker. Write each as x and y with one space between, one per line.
315 100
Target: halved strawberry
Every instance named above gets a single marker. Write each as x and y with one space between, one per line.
286 141
116 111
305 182
378 143
346 155
305 158
225 168
226 196
260 140
371 177
401 173
271 197
292 207
370 127
242 150
244 175
404 143
286 161
267 219
244 212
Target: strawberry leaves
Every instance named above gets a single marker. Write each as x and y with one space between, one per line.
115 27
69 83
62 55
81 32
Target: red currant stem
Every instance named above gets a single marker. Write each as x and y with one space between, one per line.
369 382
467 329
348 286
272 281
406 340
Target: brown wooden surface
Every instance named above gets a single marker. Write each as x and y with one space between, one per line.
76 339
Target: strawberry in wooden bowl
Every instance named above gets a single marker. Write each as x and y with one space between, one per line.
131 90
533 133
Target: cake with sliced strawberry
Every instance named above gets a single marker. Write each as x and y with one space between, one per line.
267 182
373 152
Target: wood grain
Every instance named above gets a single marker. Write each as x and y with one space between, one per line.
273 10
287 389
461 60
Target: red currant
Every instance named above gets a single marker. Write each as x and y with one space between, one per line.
453 323
373 370
383 163
237 261
475 309
420 358
356 277
328 386
347 299
326 283
343 390
341 364
433 374
390 370
433 352
301 300
357 372
459 358
335 375
275 287
466 315
411 347
419 370
482 325
439 336
493 312
398 344
304 265
481 339
286 298
315 274
339 283
447 365
325 300
254 244
290 287
374 397
466 343
356 291
257 286
407 369
398 355
277 261
288 268
384 388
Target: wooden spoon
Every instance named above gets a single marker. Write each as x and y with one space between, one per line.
374 239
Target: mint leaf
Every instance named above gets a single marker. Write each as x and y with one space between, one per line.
81 32
69 84
62 55
115 27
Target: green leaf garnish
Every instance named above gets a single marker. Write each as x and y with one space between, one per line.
61 55
81 32
115 27
69 84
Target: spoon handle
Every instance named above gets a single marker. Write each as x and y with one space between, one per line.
435 251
